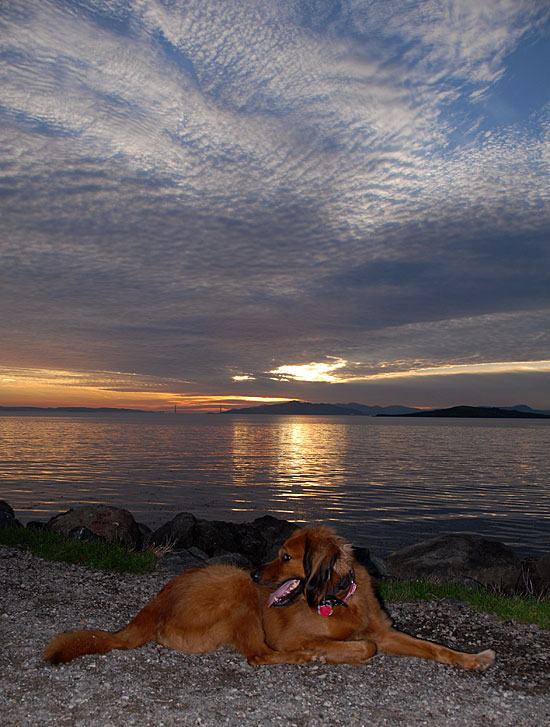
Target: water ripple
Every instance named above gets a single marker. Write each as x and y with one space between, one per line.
384 482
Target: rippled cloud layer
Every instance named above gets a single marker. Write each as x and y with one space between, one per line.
210 193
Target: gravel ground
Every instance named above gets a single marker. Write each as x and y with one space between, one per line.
156 686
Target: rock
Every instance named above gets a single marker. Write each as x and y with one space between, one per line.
215 537
379 567
274 531
8 521
256 542
236 559
198 553
252 543
36 525
145 530
458 555
542 568
5 507
85 535
114 524
179 560
178 532
375 566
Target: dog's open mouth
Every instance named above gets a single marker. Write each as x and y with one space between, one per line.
285 594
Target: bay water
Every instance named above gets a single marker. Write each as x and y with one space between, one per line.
383 483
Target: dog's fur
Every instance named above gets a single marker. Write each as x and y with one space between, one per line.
204 609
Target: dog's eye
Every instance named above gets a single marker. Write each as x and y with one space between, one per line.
285 557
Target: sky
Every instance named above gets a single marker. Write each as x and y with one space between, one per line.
211 203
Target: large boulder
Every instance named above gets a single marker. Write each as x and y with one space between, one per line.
458 556
112 523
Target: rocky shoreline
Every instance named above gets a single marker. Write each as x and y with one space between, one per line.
188 541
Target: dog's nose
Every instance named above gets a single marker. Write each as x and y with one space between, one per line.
256 575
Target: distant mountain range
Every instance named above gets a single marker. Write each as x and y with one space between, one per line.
521 411
71 409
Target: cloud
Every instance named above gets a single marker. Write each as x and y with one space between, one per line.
202 191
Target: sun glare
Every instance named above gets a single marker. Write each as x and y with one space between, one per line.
311 372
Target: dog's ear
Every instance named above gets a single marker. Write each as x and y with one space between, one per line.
323 558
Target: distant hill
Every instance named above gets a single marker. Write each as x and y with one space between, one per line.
298 407
528 409
476 412
373 411
71 409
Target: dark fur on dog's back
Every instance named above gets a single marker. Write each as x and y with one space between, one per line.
204 609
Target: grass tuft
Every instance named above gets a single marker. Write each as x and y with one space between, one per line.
526 609
103 556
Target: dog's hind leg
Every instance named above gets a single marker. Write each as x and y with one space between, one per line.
67 646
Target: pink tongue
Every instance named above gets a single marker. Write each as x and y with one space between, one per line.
286 587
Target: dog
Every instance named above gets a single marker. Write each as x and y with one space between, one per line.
314 602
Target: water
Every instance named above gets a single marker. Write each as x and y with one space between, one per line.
384 483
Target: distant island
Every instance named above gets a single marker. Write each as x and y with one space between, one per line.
475 412
466 412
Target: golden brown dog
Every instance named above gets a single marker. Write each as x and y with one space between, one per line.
313 602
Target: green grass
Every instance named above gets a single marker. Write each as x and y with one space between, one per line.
103 556
519 608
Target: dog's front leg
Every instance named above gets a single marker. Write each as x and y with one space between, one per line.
400 644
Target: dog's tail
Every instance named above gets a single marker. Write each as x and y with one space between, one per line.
69 645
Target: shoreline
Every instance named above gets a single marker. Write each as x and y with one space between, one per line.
396 534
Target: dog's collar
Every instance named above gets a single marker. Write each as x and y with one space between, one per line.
331 600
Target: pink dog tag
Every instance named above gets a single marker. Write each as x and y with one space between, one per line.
324 610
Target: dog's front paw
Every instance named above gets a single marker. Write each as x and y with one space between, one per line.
484 659
474 662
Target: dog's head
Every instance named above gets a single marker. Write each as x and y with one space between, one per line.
311 562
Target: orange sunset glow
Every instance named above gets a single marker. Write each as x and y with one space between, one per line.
62 388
